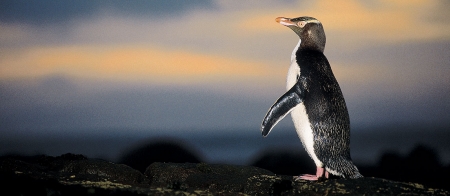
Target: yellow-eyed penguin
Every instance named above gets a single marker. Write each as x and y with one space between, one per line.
315 102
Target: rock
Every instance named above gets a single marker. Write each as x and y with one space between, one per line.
71 174
69 168
255 181
68 174
285 162
202 176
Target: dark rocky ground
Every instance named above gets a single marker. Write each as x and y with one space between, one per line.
71 174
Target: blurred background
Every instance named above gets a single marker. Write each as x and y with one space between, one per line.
105 78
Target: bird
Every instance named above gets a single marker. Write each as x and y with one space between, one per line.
316 104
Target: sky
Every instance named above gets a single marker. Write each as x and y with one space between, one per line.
212 65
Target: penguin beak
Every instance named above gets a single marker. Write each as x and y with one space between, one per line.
285 21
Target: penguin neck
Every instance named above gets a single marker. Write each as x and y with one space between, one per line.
303 46
311 43
296 48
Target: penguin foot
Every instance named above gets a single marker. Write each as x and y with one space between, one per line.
309 177
320 173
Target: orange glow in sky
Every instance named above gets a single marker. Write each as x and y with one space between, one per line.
378 50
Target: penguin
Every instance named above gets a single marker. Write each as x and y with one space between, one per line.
316 104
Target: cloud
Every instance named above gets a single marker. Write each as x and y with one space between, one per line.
60 12
385 56
57 103
350 25
354 21
131 63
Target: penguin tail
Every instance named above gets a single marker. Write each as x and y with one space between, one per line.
355 175
344 168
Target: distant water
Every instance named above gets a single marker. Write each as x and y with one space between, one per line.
240 147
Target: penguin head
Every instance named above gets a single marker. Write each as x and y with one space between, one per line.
309 29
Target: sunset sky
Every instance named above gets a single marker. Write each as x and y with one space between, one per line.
205 65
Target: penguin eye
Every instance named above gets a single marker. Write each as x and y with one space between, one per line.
301 24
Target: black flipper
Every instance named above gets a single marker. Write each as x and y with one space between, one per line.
281 108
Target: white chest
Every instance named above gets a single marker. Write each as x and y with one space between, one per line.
299 115
294 69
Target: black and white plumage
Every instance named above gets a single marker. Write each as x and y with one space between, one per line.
315 102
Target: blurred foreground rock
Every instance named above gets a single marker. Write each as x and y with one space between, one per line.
76 175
